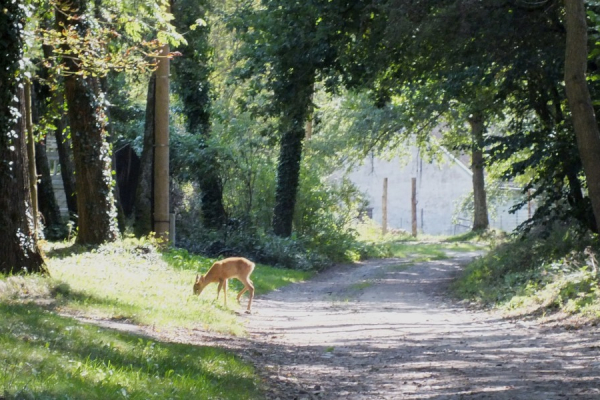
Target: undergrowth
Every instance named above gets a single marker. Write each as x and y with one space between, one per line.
537 274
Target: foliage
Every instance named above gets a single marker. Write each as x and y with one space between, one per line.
239 240
538 273
115 39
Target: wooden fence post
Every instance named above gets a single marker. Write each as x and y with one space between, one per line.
384 207
414 206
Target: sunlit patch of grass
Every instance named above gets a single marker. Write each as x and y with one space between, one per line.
45 356
133 281
422 248
421 252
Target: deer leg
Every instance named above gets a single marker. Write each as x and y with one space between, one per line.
225 291
250 288
219 288
241 293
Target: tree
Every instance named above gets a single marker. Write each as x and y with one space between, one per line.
192 80
580 101
19 250
480 214
144 195
287 47
440 55
161 142
87 120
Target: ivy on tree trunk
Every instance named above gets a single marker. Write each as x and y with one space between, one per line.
19 250
91 151
144 194
193 86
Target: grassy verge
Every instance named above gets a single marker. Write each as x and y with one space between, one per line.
537 275
46 356
131 281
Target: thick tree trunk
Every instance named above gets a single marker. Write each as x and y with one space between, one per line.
144 194
19 250
91 151
296 97
480 214
95 200
288 176
580 102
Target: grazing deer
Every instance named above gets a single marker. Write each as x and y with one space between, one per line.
221 271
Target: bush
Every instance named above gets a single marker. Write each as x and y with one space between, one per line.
556 270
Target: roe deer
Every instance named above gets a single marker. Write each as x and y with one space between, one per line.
221 271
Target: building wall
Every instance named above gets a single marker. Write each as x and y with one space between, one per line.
441 186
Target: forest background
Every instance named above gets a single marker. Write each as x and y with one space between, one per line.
239 113
268 99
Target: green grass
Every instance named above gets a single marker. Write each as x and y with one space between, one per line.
537 275
421 252
131 281
420 249
265 278
46 356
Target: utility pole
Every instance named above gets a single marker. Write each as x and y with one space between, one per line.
161 143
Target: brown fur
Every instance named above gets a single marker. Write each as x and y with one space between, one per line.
233 267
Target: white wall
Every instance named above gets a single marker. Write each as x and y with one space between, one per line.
440 187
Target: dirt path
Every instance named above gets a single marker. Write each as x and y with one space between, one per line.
384 330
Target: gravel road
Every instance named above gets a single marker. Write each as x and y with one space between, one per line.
386 329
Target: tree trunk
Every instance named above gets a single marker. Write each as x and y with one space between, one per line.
580 102
91 151
480 214
48 205
144 194
295 98
19 250
33 188
63 144
288 176
192 80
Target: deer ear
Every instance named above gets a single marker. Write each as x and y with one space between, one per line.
197 278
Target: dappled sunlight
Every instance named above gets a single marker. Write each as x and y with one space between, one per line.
397 337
